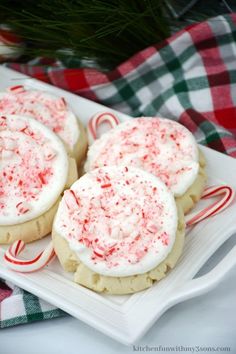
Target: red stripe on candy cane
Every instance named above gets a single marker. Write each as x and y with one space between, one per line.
27 266
19 246
227 196
98 119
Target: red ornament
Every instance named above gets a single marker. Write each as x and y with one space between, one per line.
11 46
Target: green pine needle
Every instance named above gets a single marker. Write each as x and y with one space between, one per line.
106 32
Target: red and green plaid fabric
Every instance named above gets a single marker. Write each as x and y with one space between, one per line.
18 306
190 77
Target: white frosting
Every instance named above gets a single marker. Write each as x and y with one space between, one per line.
44 107
119 221
33 169
158 145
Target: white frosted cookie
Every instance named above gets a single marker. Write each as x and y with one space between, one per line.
50 110
117 228
34 171
160 146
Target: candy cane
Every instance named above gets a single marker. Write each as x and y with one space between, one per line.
27 266
98 119
227 195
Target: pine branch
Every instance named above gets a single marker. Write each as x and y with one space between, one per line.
106 31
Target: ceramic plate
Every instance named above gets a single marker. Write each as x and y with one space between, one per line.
127 318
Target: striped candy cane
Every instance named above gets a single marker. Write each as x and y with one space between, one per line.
227 196
27 266
97 120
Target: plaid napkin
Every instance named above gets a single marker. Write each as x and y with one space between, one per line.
19 306
190 77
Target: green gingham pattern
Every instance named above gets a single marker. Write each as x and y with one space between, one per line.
22 307
191 78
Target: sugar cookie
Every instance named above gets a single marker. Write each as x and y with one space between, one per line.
52 111
160 146
118 229
34 171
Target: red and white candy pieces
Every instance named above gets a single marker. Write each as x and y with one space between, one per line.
100 253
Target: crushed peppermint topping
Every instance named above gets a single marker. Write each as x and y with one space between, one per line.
118 228
30 169
46 108
160 146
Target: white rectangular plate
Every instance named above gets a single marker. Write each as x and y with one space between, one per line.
127 318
